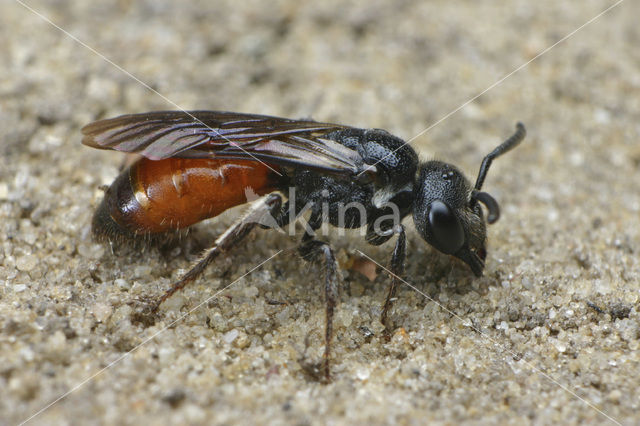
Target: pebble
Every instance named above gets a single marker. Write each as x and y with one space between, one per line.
230 336
26 263
91 251
101 311
4 191
122 284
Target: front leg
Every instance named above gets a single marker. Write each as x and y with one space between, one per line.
397 269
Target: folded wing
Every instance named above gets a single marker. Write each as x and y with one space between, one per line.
226 135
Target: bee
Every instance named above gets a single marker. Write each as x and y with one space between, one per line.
195 165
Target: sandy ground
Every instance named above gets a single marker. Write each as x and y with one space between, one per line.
549 334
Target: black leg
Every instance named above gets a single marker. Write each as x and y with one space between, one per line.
331 300
397 269
311 249
260 213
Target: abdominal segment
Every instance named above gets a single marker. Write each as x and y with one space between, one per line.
153 197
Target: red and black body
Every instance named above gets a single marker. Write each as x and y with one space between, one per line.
156 197
194 165
197 164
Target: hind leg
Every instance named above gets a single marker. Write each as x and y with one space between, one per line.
261 213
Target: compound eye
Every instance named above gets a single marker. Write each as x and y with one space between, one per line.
446 228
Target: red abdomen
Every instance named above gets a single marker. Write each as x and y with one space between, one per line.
159 196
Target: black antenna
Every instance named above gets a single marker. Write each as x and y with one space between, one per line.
490 203
505 146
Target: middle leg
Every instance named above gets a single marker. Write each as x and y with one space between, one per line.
311 249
